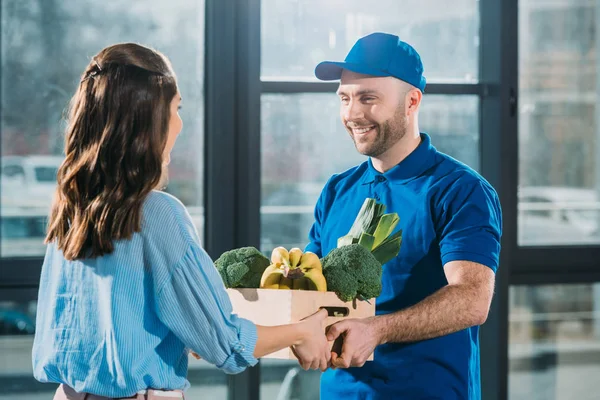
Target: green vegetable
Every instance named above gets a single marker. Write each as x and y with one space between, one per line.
242 268
372 229
351 272
366 221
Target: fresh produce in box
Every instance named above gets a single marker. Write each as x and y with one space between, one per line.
353 273
353 270
242 268
294 270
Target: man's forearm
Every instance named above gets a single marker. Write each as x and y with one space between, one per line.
450 309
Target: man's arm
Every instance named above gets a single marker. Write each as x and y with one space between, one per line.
314 235
469 226
463 303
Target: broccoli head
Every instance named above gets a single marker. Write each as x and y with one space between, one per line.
351 272
242 268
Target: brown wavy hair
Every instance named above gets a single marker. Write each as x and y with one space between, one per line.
114 143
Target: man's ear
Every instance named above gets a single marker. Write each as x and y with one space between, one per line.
412 101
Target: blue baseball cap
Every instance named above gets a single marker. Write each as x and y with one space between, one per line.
378 54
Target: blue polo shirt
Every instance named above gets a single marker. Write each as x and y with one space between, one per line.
447 212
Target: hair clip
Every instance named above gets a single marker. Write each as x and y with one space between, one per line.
93 73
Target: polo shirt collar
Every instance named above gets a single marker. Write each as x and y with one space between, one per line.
413 166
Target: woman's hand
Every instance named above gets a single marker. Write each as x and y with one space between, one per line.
313 350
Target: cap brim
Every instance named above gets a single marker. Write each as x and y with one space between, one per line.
332 70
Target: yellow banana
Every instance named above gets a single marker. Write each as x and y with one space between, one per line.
309 261
295 256
280 255
300 284
286 283
294 270
316 280
271 277
274 277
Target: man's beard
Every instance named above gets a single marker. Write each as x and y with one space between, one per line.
387 135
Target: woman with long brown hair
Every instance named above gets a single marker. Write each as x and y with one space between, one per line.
126 287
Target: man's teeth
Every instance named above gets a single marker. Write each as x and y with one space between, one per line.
362 130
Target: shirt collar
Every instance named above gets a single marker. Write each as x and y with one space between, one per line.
411 167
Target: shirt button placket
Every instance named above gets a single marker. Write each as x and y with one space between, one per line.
378 179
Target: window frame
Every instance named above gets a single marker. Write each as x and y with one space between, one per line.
547 264
496 90
233 88
232 141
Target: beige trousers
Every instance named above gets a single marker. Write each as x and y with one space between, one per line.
67 393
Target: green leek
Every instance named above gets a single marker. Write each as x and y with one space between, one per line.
373 229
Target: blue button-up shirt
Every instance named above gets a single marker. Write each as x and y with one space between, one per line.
123 322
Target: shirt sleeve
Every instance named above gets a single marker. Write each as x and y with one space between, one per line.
195 306
314 235
470 225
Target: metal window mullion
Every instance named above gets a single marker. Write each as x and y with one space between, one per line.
219 128
246 386
222 149
19 294
232 149
20 272
523 277
550 259
498 160
290 87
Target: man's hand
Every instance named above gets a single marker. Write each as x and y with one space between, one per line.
462 303
313 351
360 337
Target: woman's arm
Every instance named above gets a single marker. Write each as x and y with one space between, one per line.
194 305
306 337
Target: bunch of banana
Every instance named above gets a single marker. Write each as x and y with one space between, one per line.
294 270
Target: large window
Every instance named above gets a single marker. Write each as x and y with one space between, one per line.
554 342
303 141
523 114
554 320
296 35
559 135
45 46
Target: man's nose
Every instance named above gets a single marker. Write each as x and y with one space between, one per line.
353 111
